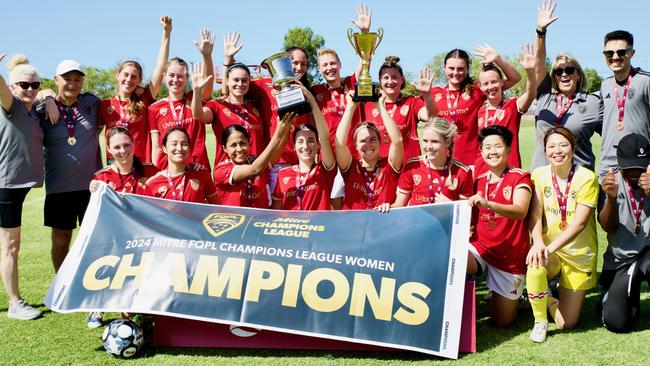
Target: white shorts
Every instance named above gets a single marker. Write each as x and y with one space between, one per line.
338 188
509 285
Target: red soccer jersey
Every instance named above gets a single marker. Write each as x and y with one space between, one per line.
463 112
126 183
383 184
112 112
332 103
247 115
249 193
191 186
506 115
166 114
502 242
405 114
308 192
414 181
264 94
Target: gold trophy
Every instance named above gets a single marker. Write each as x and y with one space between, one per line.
365 45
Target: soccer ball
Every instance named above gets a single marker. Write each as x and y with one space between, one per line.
123 338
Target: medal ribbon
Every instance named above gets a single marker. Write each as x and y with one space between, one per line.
300 188
450 108
177 122
170 182
124 116
562 199
340 107
443 176
494 116
559 111
636 210
620 103
131 176
492 215
248 192
242 113
369 180
70 114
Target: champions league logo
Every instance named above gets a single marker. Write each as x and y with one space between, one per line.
220 223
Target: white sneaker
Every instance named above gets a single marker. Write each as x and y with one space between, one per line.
23 311
538 334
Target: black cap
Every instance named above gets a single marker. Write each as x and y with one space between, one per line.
633 151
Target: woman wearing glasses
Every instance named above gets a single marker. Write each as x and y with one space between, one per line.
562 98
21 168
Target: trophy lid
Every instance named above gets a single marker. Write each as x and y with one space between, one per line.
280 68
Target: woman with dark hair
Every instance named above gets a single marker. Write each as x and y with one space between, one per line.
500 242
562 98
459 100
406 111
181 181
128 108
370 180
127 173
242 179
308 184
563 231
21 168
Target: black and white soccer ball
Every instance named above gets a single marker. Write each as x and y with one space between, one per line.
123 338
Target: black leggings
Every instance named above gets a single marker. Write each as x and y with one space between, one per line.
622 291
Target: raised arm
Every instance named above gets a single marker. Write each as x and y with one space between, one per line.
363 22
490 55
424 87
343 154
230 49
205 46
278 140
199 81
163 55
327 154
529 63
6 98
544 19
396 150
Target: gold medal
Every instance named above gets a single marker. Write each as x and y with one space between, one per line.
637 229
72 141
619 125
492 225
563 225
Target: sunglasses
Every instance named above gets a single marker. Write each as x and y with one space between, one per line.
25 85
569 70
620 53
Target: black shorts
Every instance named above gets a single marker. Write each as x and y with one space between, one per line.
11 206
64 210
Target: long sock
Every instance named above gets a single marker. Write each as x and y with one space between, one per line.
537 287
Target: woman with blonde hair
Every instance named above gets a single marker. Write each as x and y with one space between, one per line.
21 168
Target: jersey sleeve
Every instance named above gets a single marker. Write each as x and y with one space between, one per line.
587 193
151 118
466 183
223 173
405 181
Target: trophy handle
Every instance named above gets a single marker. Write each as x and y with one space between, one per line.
380 36
350 37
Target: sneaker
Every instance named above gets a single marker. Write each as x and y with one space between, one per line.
538 334
22 310
95 319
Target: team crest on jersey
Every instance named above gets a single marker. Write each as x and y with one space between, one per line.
499 114
404 110
163 111
582 108
227 112
194 183
547 192
285 180
375 112
319 97
162 190
221 223
507 192
110 109
453 184
417 179
466 96
438 97
630 92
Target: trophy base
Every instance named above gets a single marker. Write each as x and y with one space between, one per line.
365 93
292 100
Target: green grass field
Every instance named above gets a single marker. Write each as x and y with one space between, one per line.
64 339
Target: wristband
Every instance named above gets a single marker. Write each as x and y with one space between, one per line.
540 33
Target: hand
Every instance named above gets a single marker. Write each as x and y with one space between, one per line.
364 18
230 46
206 44
196 166
94 185
610 187
381 102
477 200
537 255
426 79
285 124
51 111
527 58
198 79
166 23
441 198
644 180
489 54
545 15
383 208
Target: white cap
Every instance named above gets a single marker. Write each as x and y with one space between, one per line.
66 66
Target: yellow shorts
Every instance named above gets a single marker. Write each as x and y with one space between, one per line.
573 279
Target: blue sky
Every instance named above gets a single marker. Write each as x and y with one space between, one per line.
103 35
